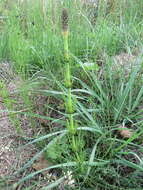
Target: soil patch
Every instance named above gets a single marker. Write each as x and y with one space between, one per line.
12 157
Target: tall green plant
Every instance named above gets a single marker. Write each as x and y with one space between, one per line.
68 82
69 102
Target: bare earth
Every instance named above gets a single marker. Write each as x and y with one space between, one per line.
12 157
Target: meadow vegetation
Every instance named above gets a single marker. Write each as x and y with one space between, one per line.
85 62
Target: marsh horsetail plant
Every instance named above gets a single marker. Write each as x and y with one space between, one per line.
69 102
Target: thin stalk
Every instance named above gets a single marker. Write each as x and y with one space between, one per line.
68 83
43 10
69 102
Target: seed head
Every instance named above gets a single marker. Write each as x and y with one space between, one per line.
65 20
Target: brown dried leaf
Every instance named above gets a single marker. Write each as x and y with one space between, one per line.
40 164
125 133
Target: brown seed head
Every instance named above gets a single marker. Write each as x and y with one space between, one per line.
65 20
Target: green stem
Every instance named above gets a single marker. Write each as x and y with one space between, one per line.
71 126
66 47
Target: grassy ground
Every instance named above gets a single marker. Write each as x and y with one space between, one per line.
100 142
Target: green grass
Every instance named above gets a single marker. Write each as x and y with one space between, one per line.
33 44
104 98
